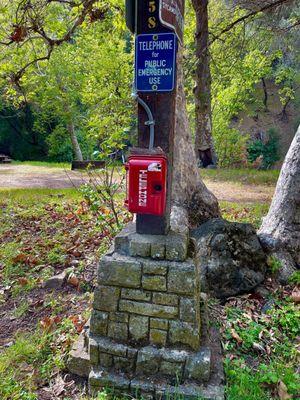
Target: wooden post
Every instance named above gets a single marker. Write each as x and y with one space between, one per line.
162 105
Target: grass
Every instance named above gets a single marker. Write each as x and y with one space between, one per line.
47 164
247 213
265 355
29 197
245 176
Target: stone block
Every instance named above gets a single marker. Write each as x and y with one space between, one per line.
159 323
139 246
184 333
151 310
106 360
140 385
174 356
93 351
172 369
103 379
176 247
135 294
98 324
131 352
158 250
154 282
122 239
106 298
155 267
79 359
118 317
148 361
118 330
108 346
166 299
187 309
120 271
138 327
198 365
181 278
191 391
158 337
123 364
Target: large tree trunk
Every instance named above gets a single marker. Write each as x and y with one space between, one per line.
188 190
280 230
75 145
202 92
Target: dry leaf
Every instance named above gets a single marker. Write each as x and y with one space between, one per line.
59 386
23 281
236 336
296 295
73 281
283 392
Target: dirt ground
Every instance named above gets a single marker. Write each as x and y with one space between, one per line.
27 176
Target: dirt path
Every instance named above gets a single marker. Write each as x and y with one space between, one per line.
27 176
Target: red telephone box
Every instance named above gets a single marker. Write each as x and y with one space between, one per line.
146 184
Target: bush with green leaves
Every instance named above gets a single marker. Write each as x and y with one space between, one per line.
269 151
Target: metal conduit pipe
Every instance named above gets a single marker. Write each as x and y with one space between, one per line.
150 121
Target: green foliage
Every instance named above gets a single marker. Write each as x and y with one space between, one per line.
239 59
32 355
287 319
243 383
268 338
274 264
84 87
295 278
268 150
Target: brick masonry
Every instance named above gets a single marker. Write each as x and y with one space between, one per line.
145 325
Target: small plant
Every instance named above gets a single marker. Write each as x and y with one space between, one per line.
274 264
295 278
102 193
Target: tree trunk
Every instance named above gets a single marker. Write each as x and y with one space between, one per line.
280 230
188 190
75 145
203 117
265 93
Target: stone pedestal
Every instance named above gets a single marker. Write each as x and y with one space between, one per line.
145 328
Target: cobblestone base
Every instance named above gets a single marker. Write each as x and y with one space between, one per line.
145 328
149 388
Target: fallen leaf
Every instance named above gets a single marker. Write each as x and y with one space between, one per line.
296 295
23 281
283 392
73 280
19 258
48 322
59 386
236 336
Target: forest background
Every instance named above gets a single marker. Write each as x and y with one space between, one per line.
78 102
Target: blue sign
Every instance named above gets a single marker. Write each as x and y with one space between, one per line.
155 61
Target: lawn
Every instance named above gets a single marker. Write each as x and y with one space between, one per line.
46 164
45 232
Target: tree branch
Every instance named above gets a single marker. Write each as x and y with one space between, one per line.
266 7
34 25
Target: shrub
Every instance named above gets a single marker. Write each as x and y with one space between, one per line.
269 150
